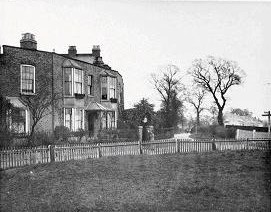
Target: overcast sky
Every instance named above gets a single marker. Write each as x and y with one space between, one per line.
137 37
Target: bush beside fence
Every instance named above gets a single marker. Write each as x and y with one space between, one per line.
11 157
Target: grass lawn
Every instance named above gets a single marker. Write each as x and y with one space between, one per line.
215 181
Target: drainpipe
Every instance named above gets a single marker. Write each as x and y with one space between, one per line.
53 106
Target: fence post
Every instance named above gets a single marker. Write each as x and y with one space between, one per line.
140 133
99 150
213 145
177 145
52 153
247 146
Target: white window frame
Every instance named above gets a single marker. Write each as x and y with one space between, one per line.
73 118
113 87
73 81
106 120
26 120
108 87
21 80
64 82
76 128
92 90
82 80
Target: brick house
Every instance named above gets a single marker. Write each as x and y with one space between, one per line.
90 92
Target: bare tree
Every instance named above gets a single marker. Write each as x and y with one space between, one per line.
214 112
216 75
196 98
168 86
40 104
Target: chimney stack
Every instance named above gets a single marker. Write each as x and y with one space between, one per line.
28 41
96 51
72 51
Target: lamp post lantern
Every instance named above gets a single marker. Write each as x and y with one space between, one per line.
145 120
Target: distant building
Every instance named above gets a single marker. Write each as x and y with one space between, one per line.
91 92
236 120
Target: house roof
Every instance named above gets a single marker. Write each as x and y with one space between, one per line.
71 64
95 106
16 102
63 55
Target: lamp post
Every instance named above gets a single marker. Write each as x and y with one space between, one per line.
268 114
144 134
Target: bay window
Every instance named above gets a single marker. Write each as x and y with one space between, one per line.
90 85
74 118
78 81
108 120
68 118
108 87
112 87
104 87
78 119
16 119
73 81
68 81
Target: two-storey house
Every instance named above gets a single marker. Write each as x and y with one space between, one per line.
90 93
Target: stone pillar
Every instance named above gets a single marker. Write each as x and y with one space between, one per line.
237 134
150 134
139 133
52 153
253 134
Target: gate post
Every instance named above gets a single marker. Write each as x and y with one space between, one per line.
140 129
213 145
52 153
99 150
177 145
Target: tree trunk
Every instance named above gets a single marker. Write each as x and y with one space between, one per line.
197 118
220 117
30 138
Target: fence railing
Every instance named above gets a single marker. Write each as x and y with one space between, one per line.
11 157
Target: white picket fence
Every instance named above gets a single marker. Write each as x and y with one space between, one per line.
12 157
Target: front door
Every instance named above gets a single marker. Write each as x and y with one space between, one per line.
91 120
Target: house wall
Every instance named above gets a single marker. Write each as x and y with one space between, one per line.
88 69
250 134
48 65
10 80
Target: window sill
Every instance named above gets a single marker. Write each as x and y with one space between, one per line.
113 100
27 94
79 95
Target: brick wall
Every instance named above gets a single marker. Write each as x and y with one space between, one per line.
244 134
49 64
12 59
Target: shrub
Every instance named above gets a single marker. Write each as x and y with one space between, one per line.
79 134
61 133
6 139
42 138
215 131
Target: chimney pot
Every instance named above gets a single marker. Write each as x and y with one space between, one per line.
96 51
72 51
28 41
